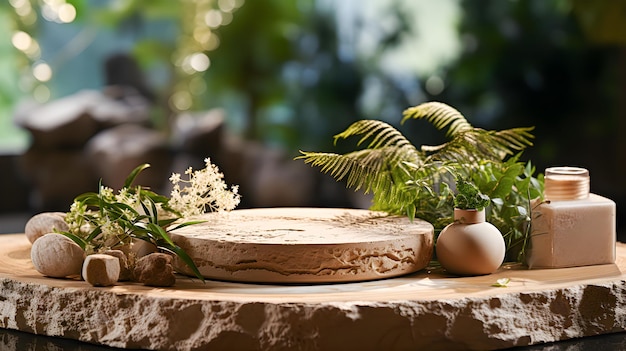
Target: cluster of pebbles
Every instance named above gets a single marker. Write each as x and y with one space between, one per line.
55 255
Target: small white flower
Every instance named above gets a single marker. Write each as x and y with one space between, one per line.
203 191
106 192
175 178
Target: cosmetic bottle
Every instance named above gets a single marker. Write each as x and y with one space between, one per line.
571 227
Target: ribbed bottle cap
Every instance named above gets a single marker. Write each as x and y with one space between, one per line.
566 183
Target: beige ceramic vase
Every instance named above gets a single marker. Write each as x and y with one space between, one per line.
470 245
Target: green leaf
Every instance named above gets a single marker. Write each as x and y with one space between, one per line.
160 199
155 214
133 175
94 233
159 232
86 196
501 283
120 207
504 184
186 224
166 222
186 259
410 211
78 240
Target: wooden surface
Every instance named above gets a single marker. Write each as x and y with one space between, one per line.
305 245
433 284
427 309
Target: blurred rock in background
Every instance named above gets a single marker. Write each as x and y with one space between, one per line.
249 83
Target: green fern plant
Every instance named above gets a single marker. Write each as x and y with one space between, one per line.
418 182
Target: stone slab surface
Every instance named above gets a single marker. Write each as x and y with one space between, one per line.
425 310
305 245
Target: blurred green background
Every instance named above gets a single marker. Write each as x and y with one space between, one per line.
291 74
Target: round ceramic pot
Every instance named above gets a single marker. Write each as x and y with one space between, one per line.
470 245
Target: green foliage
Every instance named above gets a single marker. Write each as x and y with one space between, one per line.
102 220
440 115
469 197
379 168
417 182
467 143
510 185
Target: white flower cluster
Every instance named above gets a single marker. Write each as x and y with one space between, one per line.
203 191
108 219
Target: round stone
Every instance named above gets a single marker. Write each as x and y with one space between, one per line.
305 245
56 255
44 223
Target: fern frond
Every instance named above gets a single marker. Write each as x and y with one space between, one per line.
381 134
439 115
515 138
378 168
476 144
364 169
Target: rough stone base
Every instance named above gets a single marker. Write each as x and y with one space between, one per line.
419 311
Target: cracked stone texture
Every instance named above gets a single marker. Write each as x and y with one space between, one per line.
148 322
429 311
305 245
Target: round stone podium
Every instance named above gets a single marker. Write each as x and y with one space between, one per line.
305 245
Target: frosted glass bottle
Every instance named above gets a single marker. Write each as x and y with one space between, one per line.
572 227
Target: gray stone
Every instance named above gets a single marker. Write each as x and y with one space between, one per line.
56 177
72 120
44 223
200 133
57 256
64 122
115 152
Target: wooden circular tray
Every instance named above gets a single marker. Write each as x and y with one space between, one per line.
305 245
